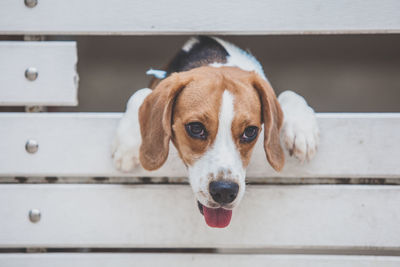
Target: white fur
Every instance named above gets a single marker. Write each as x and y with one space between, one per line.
189 44
239 58
126 144
222 157
300 133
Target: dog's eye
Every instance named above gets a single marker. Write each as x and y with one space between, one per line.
249 134
196 130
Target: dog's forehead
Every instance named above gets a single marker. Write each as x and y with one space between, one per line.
198 103
200 93
203 95
247 106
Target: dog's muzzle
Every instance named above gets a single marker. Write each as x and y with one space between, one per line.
222 192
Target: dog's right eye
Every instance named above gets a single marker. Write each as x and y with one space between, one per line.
196 130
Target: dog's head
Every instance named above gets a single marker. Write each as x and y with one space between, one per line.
213 116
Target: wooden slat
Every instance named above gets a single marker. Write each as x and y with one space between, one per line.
316 216
57 81
79 145
200 260
192 16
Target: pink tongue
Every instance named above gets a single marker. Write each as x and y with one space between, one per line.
218 218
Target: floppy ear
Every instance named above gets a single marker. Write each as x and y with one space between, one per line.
273 118
155 115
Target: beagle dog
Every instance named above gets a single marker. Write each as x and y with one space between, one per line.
213 104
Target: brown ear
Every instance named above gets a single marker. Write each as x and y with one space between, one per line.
155 115
273 117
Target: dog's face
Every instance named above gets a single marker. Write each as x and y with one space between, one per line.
214 117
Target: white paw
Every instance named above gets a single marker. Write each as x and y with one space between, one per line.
125 156
300 132
126 144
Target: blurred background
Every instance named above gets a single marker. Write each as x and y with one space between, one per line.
335 73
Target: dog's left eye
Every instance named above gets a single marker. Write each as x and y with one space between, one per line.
249 134
196 130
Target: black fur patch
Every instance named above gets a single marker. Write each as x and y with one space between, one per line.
202 53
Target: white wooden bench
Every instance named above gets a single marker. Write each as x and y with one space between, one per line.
342 209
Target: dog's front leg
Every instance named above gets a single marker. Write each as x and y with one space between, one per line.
300 132
127 140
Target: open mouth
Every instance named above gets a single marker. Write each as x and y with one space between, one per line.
218 218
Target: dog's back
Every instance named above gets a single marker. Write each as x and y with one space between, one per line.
203 51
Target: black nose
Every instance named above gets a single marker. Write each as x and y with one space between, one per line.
223 192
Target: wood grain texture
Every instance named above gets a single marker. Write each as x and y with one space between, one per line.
194 17
57 81
166 216
200 260
79 145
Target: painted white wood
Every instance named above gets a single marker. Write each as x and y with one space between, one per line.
192 16
200 260
79 145
315 216
57 82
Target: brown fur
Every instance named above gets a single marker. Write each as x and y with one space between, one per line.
155 121
200 101
273 119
